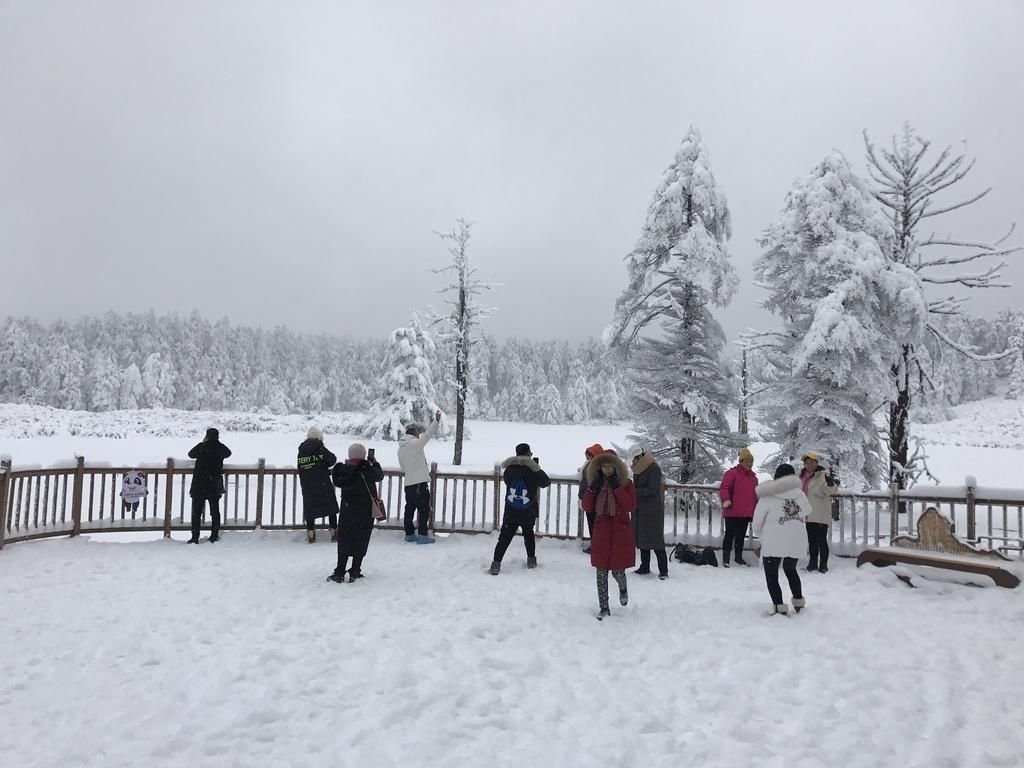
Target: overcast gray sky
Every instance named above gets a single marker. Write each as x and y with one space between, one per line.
286 162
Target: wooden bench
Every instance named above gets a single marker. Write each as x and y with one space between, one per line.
936 546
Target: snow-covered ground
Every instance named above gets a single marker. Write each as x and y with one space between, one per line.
239 654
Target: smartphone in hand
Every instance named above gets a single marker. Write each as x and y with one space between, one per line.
370 454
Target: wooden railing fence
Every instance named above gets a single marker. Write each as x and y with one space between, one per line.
82 498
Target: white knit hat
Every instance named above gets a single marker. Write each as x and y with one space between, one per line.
314 434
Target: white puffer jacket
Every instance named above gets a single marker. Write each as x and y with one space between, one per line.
782 510
411 457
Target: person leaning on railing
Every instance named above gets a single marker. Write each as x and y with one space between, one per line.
318 497
207 482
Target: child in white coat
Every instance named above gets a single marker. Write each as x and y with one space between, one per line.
782 510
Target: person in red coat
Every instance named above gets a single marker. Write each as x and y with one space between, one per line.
739 497
611 496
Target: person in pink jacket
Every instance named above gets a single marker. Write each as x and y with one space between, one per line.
738 493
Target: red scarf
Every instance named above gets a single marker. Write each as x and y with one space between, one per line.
606 501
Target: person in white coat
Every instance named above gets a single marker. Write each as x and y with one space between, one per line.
782 510
413 462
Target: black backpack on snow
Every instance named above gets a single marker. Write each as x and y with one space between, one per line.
694 555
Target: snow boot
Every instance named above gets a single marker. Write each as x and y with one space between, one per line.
424 539
214 538
334 534
823 569
193 540
411 538
662 576
604 612
798 604
531 562
586 550
336 577
310 536
353 575
812 567
623 597
643 570
782 609
740 561
495 568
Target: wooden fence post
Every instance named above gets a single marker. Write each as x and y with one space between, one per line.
894 510
261 470
5 484
76 496
433 495
972 522
497 498
168 497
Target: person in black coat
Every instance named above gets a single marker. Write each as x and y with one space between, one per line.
357 479
318 496
207 482
523 478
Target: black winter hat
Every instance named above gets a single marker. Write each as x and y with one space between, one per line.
523 449
783 470
212 434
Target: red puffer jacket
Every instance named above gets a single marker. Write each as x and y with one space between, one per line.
739 485
611 544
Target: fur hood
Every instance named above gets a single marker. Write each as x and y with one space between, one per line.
523 461
595 464
644 462
778 487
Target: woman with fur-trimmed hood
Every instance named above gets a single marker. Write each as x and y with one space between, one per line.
611 496
782 509
649 518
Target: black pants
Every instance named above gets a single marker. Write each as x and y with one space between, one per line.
198 502
771 575
645 561
514 520
735 533
817 545
417 502
332 518
353 541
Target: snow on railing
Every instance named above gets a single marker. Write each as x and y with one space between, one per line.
69 498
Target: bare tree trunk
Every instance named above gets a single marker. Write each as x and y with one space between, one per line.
899 424
741 426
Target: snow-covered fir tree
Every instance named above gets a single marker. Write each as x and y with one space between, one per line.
846 309
1015 388
678 268
406 389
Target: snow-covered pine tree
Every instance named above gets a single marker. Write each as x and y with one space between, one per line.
906 184
131 388
1015 388
679 266
846 308
459 329
406 389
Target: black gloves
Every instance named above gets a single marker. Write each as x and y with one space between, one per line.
595 484
613 480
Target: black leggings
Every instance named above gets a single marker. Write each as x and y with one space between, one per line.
817 544
771 576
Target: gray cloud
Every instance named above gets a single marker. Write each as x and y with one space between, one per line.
283 165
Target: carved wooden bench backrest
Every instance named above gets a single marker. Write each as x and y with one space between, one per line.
935 534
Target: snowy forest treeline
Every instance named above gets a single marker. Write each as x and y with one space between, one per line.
119 362
128 361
